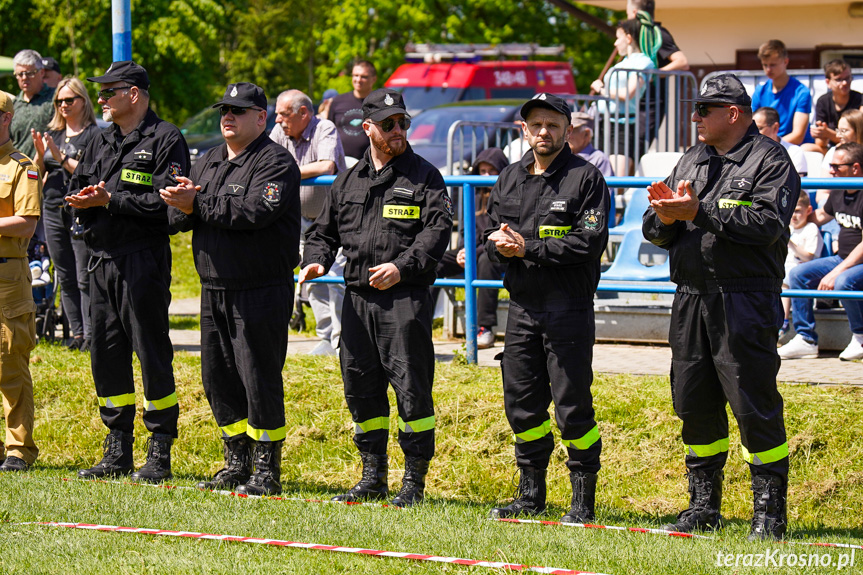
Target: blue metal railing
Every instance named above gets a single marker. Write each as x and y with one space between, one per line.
467 183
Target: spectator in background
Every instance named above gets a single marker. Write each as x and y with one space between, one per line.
57 154
315 144
326 102
489 162
804 244
849 129
784 94
659 45
830 107
346 110
33 106
624 90
580 142
51 72
840 272
767 121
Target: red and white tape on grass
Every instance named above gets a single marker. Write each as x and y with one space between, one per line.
667 533
607 527
316 547
235 494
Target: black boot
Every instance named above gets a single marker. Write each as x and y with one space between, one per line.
705 500
583 497
414 482
238 465
116 459
157 468
769 497
268 470
530 495
373 484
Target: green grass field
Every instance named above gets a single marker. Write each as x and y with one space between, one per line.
641 484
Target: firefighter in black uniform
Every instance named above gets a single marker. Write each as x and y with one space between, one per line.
114 194
245 222
723 214
548 220
392 216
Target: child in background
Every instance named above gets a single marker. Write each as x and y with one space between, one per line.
804 244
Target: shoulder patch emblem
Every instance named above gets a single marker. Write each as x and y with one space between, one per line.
272 192
447 203
174 171
592 220
32 174
784 193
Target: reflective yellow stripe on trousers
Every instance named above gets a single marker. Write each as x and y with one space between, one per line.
157 404
235 429
708 450
372 424
764 457
585 441
277 434
535 433
117 400
417 426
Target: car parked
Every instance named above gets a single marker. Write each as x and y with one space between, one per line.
430 129
202 131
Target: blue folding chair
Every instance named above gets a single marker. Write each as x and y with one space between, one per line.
627 265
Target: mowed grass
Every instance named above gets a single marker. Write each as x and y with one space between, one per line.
641 484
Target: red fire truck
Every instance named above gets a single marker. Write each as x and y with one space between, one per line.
452 73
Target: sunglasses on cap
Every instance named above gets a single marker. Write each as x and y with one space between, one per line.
388 124
235 110
109 93
704 109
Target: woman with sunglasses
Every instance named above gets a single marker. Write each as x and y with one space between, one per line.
57 153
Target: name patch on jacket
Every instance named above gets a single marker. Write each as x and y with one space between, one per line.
403 193
553 231
146 155
272 192
134 177
558 206
727 203
744 184
402 212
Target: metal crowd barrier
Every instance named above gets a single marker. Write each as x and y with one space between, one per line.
470 280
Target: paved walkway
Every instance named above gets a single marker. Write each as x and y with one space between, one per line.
607 357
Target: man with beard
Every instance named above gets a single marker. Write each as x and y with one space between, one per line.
115 195
392 217
547 220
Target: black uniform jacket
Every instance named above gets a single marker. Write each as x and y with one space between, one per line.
563 216
400 215
134 169
739 237
246 218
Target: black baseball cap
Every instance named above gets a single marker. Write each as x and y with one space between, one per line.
722 89
243 95
382 104
124 71
51 64
550 101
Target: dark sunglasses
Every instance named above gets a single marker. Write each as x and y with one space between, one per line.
67 101
835 167
109 93
235 110
704 109
388 124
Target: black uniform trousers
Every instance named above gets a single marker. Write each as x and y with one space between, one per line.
386 338
486 299
244 341
547 356
129 297
724 351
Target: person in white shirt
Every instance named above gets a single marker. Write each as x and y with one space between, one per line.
767 120
804 244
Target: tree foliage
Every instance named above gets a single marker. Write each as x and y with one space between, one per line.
193 48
